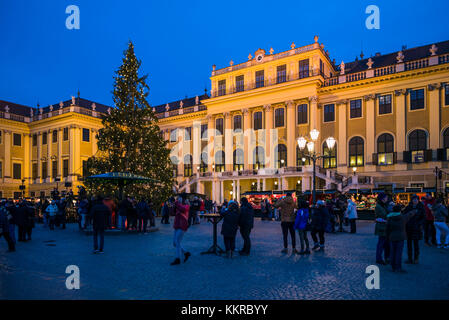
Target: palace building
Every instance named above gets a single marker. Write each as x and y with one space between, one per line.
46 148
388 114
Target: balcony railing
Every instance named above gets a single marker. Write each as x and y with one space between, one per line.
266 82
180 111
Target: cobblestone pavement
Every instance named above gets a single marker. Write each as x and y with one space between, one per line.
136 266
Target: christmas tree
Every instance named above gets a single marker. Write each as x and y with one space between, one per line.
129 140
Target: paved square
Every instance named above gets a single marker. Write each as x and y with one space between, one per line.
137 266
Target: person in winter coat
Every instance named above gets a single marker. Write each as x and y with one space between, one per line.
52 211
4 228
396 234
99 213
143 214
12 210
83 211
193 211
231 217
380 230
166 211
320 219
440 213
181 224
351 214
429 227
246 223
125 208
21 220
302 218
31 216
414 229
288 215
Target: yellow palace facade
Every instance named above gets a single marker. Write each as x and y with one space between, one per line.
389 115
46 148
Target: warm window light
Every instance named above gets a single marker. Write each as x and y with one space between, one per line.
275 182
282 161
330 142
354 169
230 192
303 159
302 143
314 134
298 182
310 146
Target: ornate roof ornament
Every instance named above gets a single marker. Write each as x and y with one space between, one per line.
31 112
271 50
154 110
342 68
41 111
7 109
94 106
315 38
61 104
231 63
109 110
51 107
181 104
73 100
250 56
197 100
400 57
293 45
433 50
370 63
214 67
167 107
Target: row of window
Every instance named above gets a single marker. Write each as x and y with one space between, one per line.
17 169
385 155
281 76
355 107
17 137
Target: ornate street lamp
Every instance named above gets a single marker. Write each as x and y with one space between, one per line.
313 155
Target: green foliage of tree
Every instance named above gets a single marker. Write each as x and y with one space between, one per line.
129 140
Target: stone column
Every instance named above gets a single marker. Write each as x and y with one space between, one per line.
264 184
196 142
26 159
60 137
39 156
246 138
94 142
228 146
222 195
8 153
342 156
370 118
291 134
269 144
71 152
434 115
401 123
238 190
49 159
210 146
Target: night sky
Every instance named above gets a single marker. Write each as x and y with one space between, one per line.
179 41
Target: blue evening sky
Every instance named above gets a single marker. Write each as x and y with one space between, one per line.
179 41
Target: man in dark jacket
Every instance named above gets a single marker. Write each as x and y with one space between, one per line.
124 208
246 223
99 213
414 228
143 214
320 219
4 228
230 226
21 220
429 227
396 234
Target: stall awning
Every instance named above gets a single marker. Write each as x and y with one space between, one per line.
428 190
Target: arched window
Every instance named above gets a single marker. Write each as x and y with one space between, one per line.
356 152
238 159
259 158
385 149
219 126
188 172
280 153
329 156
279 117
258 120
174 163
417 145
204 161
237 123
55 136
301 158
219 161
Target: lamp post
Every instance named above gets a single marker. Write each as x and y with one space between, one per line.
313 155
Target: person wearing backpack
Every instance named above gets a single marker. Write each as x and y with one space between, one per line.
301 224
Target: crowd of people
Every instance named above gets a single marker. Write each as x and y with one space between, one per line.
395 224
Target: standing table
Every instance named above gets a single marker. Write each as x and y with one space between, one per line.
214 219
